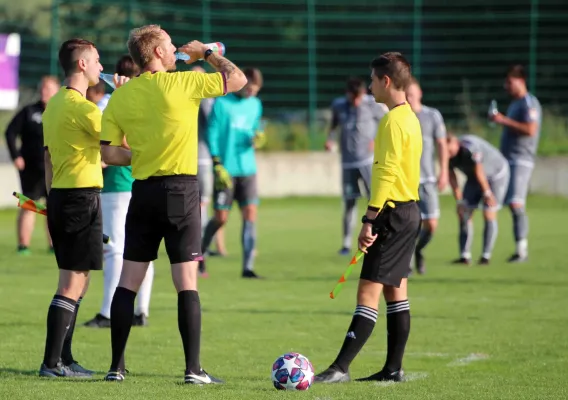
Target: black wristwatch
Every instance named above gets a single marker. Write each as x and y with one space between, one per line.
207 53
367 220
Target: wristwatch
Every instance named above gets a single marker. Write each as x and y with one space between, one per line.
207 53
367 220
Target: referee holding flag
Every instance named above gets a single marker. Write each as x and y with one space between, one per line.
390 226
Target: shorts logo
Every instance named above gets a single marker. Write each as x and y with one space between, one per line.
221 198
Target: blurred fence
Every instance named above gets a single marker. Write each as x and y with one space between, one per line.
307 48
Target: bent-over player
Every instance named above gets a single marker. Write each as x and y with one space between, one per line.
487 173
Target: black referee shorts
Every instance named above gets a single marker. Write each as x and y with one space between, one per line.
74 219
388 259
164 207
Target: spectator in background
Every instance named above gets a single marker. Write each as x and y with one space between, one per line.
29 157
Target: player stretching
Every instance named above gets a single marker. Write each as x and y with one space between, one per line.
487 174
356 115
73 178
115 196
232 137
519 143
390 226
157 113
433 135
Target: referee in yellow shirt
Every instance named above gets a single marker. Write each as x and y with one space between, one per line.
390 226
157 113
73 177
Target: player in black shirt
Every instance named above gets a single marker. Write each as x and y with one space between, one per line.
28 158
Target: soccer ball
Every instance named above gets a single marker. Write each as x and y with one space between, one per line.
292 371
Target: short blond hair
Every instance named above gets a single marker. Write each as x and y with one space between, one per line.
142 42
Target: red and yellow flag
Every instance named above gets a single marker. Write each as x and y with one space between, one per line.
346 274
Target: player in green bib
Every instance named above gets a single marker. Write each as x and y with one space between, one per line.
115 198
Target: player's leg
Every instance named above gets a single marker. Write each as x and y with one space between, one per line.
360 329
398 249
246 194
222 205
142 311
351 193
143 234
220 246
499 189
182 241
114 217
26 218
516 199
430 212
471 197
75 222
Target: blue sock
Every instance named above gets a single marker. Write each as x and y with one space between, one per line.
249 242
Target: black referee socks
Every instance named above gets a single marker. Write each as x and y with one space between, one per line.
398 329
66 353
59 318
121 315
359 331
189 323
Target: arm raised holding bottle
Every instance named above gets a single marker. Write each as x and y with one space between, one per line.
235 79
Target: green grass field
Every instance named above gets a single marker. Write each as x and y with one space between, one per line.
496 332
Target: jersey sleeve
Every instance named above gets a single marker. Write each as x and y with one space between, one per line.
214 127
111 133
439 125
89 118
198 85
386 167
471 152
529 111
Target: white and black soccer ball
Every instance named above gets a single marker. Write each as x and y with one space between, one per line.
292 371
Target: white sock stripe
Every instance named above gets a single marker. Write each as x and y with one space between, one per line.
62 304
369 310
397 305
369 317
394 308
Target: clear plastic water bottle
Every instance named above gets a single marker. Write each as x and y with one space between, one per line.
108 78
217 47
492 111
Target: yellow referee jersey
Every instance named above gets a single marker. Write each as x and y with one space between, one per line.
157 112
396 165
71 133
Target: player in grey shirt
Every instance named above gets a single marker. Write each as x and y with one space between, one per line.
433 137
519 143
355 117
487 173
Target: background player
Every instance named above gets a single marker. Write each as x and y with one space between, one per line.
356 116
487 174
157 113
233 125
433 136
115 197
390 226
519 143
29 158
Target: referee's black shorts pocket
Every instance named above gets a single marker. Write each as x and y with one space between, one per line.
176 205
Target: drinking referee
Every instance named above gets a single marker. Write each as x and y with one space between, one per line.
157 113
390 226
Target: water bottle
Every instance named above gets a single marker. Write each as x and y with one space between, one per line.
108 78
217 47
492 111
